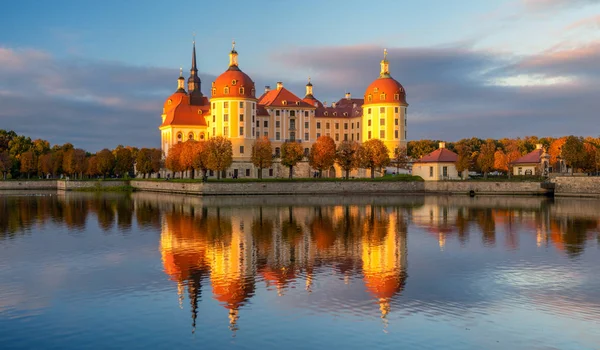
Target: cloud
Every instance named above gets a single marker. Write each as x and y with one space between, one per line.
458 92
92 104
585 23
545 5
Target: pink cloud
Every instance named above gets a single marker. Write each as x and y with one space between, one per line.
593 21
543 5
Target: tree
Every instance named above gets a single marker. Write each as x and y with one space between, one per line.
5 138
123 161
200 161
156 160
74 162
143 162
105 162
400 159
500 161
219 154
291 154
373 154
28 163
463 162
512 152
573 152
420 148
347 157
40 147
485 159
92 167
262 154
5 162
555 152
57 161
45 164
173 161
322 154
186 158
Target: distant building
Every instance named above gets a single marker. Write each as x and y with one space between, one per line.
438 165
234 111
535 162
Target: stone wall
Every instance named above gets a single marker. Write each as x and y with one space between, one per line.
579 186
28 185
72 185
342 187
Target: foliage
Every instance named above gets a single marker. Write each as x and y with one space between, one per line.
400 160
420 148
500 161
74 161
485 159
322 154
92 166
347 157
574 153
291 154
373 154
173 161
463 162
124 161
219 154
262 154
5 162
186 158
105 162
28 163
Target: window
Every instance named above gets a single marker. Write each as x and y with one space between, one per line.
266 123
345 137
305 125
226 117
277 124
270 172
396 97
325 113
211 173
318 125
234 82
345 126
326 125
357 125
277 113
528 172
202 136
247 172
405 122
266 134
179 136
368 110
318 134
306 113
306 136
241 149
191 136
396 121
369 136
520 171
337 137
376 90
225 104
253 118
405 134
257 134
445 171
214 118
214 131
382 134
382 97
369 122
357 136
396 110
241 93
352 125
214 91
225 131
382 121
396 133
337 126
292 113
352 137
258 124
241 131
241 103
381 110
293 136
213 105
277 136
369 98
241 117
430 171
226 91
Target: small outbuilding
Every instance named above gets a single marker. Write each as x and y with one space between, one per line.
535 162
438 165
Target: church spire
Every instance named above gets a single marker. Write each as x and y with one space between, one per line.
194 81
385 66
181 81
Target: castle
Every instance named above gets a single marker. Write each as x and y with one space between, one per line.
234 111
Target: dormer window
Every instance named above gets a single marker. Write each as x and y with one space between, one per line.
214 91
396 97
233 82
284 102
226 90
345 114
369 98
334 114
169 102
241 90
325 113
199 111
253 91
376 90
382 97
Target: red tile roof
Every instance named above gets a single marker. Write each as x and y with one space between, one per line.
441 155
261 111
180 112
387 87
344 108
530 158
276 98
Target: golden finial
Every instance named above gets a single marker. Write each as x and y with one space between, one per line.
180 71
233 45
385 54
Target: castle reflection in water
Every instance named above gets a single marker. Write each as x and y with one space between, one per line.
238 246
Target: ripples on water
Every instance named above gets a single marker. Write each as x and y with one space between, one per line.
118 271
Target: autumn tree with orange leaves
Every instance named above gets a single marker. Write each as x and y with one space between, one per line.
485 160
291 154
186 158
173 161
322 154
347 157
262 154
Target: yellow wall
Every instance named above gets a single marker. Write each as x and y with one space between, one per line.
392 112
523 168
423 170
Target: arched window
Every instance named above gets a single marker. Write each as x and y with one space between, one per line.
397 97
202 136
191 136
369 98
214 91
233 82
179 136
382 97
376 90
241 90
226 90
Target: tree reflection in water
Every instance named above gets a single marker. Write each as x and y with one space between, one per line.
237 248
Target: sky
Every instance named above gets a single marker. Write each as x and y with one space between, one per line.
96 73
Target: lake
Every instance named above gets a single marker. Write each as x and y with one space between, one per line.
146 270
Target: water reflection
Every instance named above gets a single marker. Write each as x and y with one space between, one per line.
234 250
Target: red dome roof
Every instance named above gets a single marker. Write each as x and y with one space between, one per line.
237 82
392 90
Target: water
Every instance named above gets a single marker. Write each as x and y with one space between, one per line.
89 271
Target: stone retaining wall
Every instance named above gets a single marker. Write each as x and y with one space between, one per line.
578 186
71 185
28 185
341 187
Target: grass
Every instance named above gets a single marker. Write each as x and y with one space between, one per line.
387 178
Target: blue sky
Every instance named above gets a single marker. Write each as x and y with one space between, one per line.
99 71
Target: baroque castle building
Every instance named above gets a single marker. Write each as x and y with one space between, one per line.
233 110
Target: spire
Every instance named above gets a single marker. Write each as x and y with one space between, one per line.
194 83
233 57
309 89
385 66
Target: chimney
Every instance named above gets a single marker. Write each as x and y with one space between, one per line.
348 96
333 105
539 146
267 88
354 105
279 85
324 103
442 144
